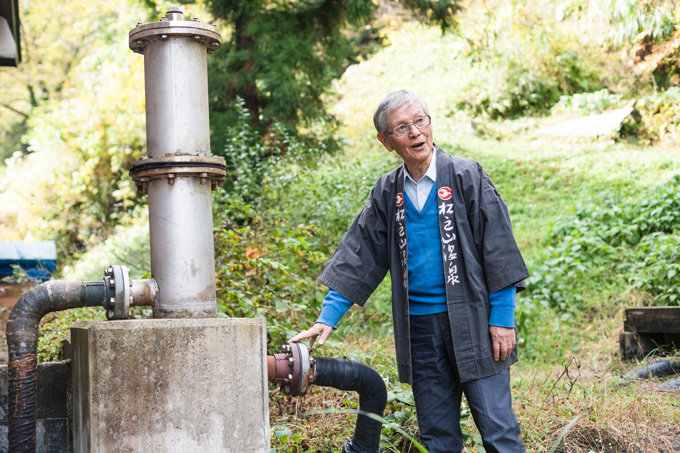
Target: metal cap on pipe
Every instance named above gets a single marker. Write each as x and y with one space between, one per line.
174 13
173 24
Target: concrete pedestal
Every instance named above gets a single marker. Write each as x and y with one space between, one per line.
170 385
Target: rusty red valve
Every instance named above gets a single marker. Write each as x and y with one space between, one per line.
294 369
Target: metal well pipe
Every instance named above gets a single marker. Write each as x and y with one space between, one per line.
179 172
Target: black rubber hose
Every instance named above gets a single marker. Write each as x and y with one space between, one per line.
657 369
346 374
22 342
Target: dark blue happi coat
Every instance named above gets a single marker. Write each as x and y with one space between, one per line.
480 257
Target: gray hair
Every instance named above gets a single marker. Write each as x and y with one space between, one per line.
392 102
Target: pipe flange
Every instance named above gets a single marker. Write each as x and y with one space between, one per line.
118 295
301 369
294 370
143 34
300 381
206 168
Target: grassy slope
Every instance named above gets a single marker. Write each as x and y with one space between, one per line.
540 179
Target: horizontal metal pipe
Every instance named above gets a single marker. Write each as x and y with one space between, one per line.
22 342
144 292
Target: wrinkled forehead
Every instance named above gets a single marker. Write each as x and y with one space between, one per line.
406 113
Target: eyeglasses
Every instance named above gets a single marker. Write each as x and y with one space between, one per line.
403 129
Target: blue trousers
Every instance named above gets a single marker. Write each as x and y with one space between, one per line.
437 391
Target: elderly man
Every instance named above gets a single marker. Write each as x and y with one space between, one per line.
440 227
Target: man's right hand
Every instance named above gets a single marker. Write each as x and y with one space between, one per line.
317 330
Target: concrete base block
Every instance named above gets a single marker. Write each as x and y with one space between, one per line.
171 385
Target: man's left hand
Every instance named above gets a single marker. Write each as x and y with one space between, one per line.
504 340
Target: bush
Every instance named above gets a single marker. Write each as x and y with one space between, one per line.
56 326
655 119
657 271
637 236
587 102
261 167
511 92
525 57
607 246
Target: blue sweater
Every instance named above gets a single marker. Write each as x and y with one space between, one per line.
426 284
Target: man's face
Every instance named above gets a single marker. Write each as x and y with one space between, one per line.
416 146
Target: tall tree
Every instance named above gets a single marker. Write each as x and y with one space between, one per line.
281 56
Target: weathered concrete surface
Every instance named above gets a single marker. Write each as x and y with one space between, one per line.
53 421
171 385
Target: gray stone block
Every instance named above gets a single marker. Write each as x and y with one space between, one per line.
171 385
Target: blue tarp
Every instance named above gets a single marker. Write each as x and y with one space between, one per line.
37 259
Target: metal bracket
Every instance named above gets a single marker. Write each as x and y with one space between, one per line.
118 295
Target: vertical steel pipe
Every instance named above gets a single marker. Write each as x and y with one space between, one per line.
179 172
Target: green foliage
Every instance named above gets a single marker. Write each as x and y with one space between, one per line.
283 213
265 274
624 223
440 12
525 58
53 46
655 119
280 58
10 138
632 19
658 271
127 245
608 239
269 246
513 91
81 91
596 102
56 326
261 168
273 239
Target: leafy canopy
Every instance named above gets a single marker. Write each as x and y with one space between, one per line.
281 57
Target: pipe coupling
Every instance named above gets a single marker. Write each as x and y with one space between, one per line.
173 25
121 293
118 297
294 369
205 168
